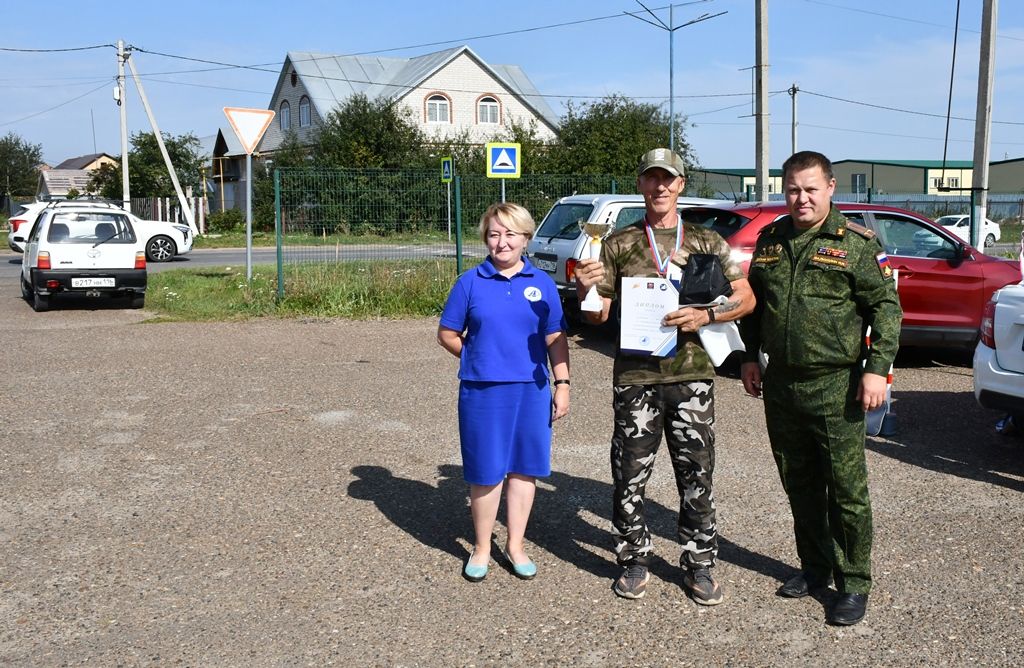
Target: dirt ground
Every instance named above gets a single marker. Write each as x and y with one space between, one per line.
290 493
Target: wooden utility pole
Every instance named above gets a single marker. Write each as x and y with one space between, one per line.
123 104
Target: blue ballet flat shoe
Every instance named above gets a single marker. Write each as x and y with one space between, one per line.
525 571
473 572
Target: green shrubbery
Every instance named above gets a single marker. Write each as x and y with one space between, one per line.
225 221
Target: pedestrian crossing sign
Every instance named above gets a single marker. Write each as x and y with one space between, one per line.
503 160
446 169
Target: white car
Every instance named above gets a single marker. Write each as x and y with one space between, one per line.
164 241
84 250
999 357
960 225
559 242
20 224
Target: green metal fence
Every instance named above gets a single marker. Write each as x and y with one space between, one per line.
325 216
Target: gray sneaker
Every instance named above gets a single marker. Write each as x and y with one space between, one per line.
633 582
702 587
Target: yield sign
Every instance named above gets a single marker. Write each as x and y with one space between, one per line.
249 125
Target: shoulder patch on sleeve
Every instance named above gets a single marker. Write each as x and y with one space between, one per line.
861 230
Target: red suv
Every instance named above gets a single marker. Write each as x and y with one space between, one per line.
944 283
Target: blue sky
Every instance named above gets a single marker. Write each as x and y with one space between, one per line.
883 53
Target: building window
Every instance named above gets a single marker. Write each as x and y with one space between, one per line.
304 119
286 115
437 109
487 111
954 181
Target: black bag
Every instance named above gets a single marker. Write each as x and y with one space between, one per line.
703 280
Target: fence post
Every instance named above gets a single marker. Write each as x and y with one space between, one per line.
869 195
277 233
614 187
458 224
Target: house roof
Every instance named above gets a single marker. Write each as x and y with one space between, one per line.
920 164
224 143
331 79
82 161
60 181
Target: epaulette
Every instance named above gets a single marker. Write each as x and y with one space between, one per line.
767 229
860 229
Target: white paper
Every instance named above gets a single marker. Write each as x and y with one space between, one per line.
719 338
644 303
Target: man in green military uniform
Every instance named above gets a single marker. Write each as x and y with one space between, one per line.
820 281
674 394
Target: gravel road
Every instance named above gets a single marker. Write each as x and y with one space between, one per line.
289 493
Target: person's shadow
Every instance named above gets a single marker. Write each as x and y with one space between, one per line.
438 518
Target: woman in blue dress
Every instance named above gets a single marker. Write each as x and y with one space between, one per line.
503 320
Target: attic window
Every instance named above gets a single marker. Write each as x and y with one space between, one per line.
295 78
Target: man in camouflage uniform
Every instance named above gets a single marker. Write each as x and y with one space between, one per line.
820 281
671 394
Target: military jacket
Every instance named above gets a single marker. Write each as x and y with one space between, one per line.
815 302
627 253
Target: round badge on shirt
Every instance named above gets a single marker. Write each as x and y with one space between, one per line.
532 294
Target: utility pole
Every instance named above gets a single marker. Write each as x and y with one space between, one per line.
761 93
793 90
122 103
186 210
983 118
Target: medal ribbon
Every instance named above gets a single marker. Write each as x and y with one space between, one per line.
662 265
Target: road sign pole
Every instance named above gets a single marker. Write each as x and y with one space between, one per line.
248 217
503 191
449 185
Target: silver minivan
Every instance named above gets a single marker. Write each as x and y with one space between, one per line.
559 243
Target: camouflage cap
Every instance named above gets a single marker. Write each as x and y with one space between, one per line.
663 158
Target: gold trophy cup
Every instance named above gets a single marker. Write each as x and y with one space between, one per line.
597 232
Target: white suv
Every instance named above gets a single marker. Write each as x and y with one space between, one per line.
558 244
163 241
83 250
960 225
999 357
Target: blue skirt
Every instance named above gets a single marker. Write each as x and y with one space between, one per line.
504 428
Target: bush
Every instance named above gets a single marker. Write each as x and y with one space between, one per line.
225 221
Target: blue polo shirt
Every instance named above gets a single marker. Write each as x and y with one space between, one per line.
506 321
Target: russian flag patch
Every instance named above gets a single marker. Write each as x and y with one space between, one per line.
883 264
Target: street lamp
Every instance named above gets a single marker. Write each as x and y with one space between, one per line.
671 29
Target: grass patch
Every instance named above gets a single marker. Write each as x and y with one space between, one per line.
359 290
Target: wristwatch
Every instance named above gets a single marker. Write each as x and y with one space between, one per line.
711 314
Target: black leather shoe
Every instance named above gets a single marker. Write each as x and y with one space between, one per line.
848 609
801 585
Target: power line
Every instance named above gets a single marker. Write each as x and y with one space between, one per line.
896 109
898 18
77 48
58 106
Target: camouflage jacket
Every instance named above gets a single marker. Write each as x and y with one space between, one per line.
814 304
627 253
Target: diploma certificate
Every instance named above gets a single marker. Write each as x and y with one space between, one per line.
644 302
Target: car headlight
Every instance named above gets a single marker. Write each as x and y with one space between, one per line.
182 228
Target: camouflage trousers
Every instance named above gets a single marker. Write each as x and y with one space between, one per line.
816 428
685 412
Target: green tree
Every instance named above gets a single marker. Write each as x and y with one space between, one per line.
147 173
365 133
19 161
609 136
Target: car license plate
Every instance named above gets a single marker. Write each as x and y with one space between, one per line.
97 282
546 265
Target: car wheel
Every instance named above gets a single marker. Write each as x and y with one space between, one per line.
138 301
26 291
40 302
990 240
160 249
